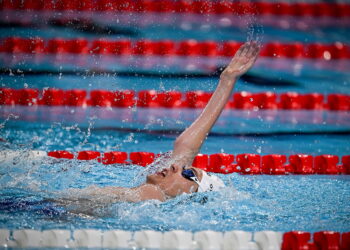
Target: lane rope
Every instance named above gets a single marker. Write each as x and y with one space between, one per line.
273 164
223 163
202 7
177 239
185 48
172 99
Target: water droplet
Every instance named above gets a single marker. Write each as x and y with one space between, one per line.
327 56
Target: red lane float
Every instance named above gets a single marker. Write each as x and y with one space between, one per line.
300 164
297 240
223 163
326 164
182 6
201 161
74 46
345 241
124 98
345 168
148 98
28 97
61 154
114 158
88 155
101 98
273 164
8 96
327 240
197 99
108 47
171 99
339 102
246 100
249 163
52 97
216 163
22 45
315 51
75 97
229 48
141 158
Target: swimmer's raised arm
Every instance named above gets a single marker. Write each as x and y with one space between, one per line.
188 144
180 177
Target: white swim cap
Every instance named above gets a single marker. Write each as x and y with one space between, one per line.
210 183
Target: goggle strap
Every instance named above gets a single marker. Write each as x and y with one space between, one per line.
194 178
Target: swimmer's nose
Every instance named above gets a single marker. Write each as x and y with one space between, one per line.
174 168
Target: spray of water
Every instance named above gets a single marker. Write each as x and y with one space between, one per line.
255 30
10 116
162 161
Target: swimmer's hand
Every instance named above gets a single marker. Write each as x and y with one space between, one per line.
241 62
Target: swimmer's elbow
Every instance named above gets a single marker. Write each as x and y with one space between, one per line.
178 142
182 144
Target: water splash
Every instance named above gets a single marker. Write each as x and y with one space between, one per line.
164 160
88 134
9 117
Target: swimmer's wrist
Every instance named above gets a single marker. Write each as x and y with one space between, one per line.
228 80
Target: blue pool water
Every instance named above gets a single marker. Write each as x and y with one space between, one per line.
249 203
28 187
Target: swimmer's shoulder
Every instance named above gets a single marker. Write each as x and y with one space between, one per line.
150 192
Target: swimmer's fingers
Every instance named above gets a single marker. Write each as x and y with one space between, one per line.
242 61
253 53
252 50
244 57
244 54
240 55
248 50
241 51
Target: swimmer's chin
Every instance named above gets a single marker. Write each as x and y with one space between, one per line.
153 179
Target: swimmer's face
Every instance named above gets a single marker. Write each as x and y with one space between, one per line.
171 181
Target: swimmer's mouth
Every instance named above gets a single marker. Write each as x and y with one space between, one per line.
162 173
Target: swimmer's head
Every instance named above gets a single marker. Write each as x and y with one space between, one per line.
210 182
176 180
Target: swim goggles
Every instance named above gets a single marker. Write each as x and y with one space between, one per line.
208 183
189 175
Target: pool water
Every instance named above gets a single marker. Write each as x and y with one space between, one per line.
36 193
250 203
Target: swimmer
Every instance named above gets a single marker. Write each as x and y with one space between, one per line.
180 177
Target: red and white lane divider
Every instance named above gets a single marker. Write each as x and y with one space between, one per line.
299 9
178 239
274 164
172 99
146 47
